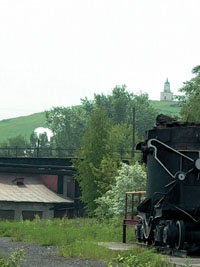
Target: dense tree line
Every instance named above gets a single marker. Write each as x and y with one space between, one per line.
70 123
100 131
36 145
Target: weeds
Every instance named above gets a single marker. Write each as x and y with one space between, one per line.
139 258
78 238
14 260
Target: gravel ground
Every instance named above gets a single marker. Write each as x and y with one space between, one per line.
40 256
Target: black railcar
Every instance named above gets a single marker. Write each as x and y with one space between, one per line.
170 214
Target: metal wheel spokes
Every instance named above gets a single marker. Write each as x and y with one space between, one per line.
180 234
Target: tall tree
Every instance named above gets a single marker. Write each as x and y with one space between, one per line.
117 105
145 114
68 126
33 139
189 101
95 148
120 140
121 104
39 144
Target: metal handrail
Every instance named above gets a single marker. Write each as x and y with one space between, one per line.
133 194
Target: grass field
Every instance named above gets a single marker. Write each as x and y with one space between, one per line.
78 238
170 108
27 124
21 126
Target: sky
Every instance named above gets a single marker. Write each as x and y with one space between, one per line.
56 52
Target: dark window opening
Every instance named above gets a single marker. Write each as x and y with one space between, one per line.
30 215
7 214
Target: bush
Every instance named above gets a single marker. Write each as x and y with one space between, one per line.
14 260
140 258
112 203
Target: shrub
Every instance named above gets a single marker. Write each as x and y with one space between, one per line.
140 258
14 260
130 178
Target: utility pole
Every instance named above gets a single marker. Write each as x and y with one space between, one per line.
133 133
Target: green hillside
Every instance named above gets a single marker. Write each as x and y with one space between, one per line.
170 108
26 125
22 125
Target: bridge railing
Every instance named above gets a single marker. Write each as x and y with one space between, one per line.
48 152
35 152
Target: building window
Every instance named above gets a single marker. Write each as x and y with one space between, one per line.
7 214
30 214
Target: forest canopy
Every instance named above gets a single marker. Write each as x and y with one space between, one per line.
70 123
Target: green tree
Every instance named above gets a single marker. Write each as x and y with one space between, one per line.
43 140
97 156
118 104
112 203
121 104
33 139
189 101
15 146
68 126
145 114
39 144
120 140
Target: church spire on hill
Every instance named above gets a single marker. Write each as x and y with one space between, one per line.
166 95
167 86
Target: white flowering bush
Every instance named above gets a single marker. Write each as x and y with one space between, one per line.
112 203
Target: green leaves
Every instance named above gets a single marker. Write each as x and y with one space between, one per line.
94 172
14 146
68 126
101 131
189 101
16 258
145 114
112 203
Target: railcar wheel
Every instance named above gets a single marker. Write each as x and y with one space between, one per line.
170 233
181 235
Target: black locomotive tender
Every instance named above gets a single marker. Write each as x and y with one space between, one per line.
170 213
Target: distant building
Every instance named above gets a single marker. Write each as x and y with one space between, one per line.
29 196
166 95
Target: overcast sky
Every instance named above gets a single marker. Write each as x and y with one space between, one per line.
55 52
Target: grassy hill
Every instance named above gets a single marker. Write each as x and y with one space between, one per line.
26 125
22 125
170 108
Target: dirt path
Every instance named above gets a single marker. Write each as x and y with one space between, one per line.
40 256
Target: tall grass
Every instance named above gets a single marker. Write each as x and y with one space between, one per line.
77 238
74 237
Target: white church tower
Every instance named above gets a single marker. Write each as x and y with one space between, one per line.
166 95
